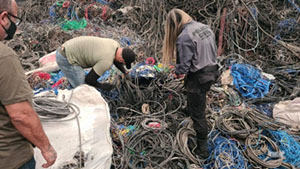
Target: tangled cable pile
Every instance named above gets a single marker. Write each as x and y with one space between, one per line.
153 110
160 136
238 128
40 34
262 33
266 33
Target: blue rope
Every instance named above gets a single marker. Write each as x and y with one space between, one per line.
290 24
225 154
70 11
142 70
266 108
249 81
52 12
285 27
102 2
292 72
254 12
56 76
294 5
125 41
288 145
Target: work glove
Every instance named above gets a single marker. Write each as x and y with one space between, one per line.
126 76
107 86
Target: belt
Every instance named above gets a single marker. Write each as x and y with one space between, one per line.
62 51
209 68
212 68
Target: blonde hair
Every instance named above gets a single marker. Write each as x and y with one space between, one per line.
175 21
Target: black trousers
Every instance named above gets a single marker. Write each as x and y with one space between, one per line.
197 85
196 104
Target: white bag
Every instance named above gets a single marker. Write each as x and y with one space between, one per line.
288 112
94 119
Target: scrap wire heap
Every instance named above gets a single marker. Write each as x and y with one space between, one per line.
263 32
151 130
43 32
146 118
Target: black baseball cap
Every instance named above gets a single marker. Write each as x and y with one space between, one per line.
129 56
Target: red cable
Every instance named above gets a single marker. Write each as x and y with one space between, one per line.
86 14
103 14
66 4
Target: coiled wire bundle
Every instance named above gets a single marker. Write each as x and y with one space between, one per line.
50 109
150 148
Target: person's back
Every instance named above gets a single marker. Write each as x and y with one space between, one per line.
86 51
203 40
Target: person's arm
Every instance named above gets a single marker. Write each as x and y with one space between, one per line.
27 122
185 53
120 66
91 79
16 95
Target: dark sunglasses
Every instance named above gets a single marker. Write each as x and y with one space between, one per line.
18 19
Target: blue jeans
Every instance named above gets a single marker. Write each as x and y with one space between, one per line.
29 165
75 74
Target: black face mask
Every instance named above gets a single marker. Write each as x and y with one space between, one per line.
11 30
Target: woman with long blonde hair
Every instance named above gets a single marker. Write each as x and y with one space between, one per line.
192 46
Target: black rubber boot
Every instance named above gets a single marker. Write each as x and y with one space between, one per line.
185 111
201 149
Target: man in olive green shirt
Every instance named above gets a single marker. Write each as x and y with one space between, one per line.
20 127
92 52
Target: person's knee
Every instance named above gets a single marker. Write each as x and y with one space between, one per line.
198 116
75 82
59 59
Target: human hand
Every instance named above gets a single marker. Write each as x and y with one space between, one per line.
126 76
50 156
107 86
178 76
